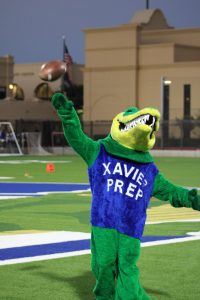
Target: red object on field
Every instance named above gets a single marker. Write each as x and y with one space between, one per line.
50 168
52 70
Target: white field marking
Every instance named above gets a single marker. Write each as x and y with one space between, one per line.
3 178
44 257
195 233
34 161
44 193
83 252
5 196
172 221
74 183
171 241
192 187
30 239
12 197
64 192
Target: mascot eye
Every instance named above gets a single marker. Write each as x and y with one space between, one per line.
121 125
130 111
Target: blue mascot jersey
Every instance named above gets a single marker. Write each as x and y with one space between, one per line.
121 190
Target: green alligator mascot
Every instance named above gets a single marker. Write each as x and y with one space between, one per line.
123 178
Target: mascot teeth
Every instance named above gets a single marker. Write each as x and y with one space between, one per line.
145 119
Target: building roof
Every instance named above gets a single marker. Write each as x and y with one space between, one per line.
150 19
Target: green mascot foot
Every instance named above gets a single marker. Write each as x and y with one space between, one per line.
115 267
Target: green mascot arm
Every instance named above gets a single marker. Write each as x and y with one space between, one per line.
78 140
176 195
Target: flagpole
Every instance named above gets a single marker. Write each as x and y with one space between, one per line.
64 39
67 77
62 82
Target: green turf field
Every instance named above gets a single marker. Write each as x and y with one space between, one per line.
167 271
181 170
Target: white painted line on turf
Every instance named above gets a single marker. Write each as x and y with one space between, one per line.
172 241
192 187
44 193
195 233
12 197
34 161
172 221
5 196
63 192
6 178
83 252
44 257
30 239
60 182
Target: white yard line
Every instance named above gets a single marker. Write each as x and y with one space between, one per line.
172 221
30 239
43 257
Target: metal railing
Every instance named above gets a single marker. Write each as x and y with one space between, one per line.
172 134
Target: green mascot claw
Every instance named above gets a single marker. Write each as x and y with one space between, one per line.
123 178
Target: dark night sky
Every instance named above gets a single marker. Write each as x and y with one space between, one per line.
32 30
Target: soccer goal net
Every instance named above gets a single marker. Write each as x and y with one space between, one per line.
8 141
31 143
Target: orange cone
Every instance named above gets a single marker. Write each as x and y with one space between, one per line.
50 168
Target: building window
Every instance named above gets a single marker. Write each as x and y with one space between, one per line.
187 100
17 91
43 91
165 107
166 89
2 92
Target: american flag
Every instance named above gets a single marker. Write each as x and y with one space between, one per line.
69 62
67 57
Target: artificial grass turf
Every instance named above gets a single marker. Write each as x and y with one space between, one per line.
69 212
68 278
179 170
171 271
167 272
53 212
73 169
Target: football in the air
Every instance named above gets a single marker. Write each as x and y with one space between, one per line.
52 70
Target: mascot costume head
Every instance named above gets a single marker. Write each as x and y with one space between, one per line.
135 129
123 178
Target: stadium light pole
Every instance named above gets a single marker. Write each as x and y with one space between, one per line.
62 78
162 107
164 82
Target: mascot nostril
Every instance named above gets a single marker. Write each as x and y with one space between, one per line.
123 178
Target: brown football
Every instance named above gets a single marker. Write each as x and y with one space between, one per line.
52 70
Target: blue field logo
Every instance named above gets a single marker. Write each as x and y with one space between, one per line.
11 190
28 247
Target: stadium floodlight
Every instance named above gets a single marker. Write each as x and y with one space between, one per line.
8 142
167 82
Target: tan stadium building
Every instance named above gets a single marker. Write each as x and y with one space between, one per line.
23 95
125 65
143 63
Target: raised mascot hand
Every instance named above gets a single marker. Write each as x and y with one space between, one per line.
61 103
65 110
